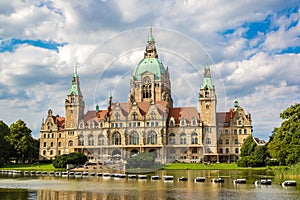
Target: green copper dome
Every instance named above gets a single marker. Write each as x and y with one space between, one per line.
152 65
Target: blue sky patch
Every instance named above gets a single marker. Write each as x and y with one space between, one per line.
257 27
291 50
11 45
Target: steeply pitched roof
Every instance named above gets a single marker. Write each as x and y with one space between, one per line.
188 113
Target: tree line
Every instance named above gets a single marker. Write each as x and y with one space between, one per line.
17 144
283 147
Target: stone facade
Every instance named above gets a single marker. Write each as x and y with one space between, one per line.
147 122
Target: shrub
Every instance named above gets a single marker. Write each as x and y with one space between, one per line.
250 161
73 158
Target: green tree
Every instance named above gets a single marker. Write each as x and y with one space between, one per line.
4 150
261 153
284 143
248 147
76 158
252 155
20 140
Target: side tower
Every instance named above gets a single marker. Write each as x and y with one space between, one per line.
208 102
74 104
150 81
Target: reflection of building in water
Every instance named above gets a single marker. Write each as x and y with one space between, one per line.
147 122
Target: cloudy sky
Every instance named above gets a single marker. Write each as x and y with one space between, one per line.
252 47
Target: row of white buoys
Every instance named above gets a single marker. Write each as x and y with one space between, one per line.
73 174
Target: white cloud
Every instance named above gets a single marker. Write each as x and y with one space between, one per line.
264 82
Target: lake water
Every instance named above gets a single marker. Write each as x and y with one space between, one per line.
54 188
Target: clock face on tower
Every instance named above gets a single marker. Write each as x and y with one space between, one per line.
147 80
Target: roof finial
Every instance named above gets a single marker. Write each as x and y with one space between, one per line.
76 68
150 38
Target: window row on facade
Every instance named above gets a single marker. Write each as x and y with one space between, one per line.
227 141
227 150
235 131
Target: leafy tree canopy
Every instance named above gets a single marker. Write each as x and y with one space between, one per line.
284 143
20 140
248 147
76 158
4 150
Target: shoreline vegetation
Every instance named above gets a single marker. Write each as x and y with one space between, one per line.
292 171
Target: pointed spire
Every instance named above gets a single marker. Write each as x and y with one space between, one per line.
150 37
150 51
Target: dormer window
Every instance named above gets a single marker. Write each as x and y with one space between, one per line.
117 117
81 125
182 122
91 124
171 122
152 115
194 122
134 116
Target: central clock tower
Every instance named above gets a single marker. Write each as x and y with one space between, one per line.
74 104
150 81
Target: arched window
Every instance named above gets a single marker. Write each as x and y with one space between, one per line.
134 138
245 131
91 124
236 141
182 122
227 150
51 152
206 92
226 141
240 131
220 141
116 138
172 139
236 150
194 150
147 88
101 139
91 140
221 150
70 143
152 138
72 98
152 116
59 152
44 152
182 138
81 140
51 144
117 117
172 123
59 144
194 138
45 144
134 116
208 150
208 141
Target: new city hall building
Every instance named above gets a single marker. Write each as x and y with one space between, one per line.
147 122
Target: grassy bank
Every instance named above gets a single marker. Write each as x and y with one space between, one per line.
29 167
212 166
291 172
